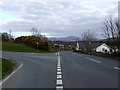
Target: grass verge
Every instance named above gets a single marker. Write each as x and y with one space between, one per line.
6 46
7 67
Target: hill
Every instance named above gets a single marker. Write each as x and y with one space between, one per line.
65 39
6 46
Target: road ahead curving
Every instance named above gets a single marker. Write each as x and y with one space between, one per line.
39 70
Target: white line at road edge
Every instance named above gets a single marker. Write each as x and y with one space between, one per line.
93 60
117 68
1 82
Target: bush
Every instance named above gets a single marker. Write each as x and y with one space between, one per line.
115 54
32 41
6 37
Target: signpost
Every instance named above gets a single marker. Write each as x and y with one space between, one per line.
37 45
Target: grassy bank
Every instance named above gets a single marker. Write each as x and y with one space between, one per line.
6 46
7 67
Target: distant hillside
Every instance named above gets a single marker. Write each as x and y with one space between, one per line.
65 39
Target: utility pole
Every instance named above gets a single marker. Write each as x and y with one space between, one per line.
10 36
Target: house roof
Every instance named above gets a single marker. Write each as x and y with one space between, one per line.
92 45
95 45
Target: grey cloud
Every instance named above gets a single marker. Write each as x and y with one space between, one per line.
56 18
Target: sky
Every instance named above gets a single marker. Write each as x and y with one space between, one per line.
55 18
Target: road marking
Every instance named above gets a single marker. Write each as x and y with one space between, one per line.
93 60
59 87
59 76
117 68
1 82
58 53
58 69
59 72
58 62
59 66
59 82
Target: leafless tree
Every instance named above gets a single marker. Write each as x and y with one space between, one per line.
88 37
117 27
36 33
111 30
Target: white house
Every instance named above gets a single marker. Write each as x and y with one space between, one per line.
104 49
77 47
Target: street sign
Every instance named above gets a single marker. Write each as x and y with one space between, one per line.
37 42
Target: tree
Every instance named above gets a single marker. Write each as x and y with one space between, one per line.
111 30
6 37
33 41
36 33
88 37
117 28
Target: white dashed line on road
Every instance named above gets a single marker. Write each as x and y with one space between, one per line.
59 76
59 82
58 70
59 87
116 68
93 60
59 67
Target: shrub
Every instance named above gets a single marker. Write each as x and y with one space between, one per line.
115 54
32 41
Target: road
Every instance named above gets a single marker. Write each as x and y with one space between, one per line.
38 70
77 70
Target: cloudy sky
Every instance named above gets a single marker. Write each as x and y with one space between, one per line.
55 18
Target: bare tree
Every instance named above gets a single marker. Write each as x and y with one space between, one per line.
88 37
106 31
111 30
36 33
116 27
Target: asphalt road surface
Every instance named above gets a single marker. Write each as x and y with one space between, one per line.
39 70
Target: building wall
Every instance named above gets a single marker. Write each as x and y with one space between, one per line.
103 49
